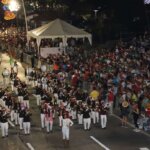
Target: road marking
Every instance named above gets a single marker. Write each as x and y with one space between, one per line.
30 146
144 148
131 125
99 143
11 123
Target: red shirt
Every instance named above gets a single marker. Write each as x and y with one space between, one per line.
110 96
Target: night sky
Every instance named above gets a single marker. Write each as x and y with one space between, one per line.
129 13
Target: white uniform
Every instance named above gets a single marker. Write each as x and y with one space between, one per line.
66 123
4 125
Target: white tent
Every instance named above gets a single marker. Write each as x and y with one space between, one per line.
58 29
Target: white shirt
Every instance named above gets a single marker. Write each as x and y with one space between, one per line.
67 123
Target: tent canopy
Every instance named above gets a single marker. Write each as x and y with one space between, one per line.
58 28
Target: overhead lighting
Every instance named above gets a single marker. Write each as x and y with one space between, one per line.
13 5
146 1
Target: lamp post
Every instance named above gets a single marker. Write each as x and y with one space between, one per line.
14 7
95 12
25 16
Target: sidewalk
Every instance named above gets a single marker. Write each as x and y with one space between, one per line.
5 64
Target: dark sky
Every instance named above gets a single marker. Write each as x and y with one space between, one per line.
125 10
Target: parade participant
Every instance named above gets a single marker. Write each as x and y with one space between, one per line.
27 122
20 93
60 115
80 114
15 67
95 114
42 115
103 115
15 108
38 94
5 74
12 77
4 122
16 84
66 123
21 116
86 118
26 99
49 118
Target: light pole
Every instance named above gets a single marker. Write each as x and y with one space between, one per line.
25 16
95 12
14 7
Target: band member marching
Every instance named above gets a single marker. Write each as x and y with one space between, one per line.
103 115
49 118
66 123
27 122
4 122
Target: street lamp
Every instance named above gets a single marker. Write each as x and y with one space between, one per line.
25 15
14 5
95 12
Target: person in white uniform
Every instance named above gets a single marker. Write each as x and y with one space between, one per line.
66 123
27 122
4 123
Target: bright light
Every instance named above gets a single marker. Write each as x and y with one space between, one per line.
14 5
147 1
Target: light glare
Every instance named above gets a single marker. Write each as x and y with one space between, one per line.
13 5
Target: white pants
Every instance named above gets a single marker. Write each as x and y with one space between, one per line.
20 99
93 116
87 123
26 103
97 117
21 123
49 125
42 120
65 132
74 114
27 127
16 90
2 103
4 129
6 81
38 100
80 118
103 121
12 116
27 80
44 86
12 86
16 118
